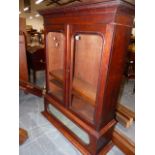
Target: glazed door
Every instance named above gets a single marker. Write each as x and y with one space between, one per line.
86 53
55 57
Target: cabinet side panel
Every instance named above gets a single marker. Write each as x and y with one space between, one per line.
116 68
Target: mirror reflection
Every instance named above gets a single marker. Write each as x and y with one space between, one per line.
35 53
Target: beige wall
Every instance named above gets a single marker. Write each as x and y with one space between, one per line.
37 23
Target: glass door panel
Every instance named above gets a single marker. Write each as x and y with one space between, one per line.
86 57
55 51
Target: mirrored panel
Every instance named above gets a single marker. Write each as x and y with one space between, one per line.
36 65
34 54
79 132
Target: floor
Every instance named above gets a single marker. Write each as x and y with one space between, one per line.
44 138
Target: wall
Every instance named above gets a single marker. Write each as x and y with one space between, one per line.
37 23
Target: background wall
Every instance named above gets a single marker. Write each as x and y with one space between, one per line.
37 23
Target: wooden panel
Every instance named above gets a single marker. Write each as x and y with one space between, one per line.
22 25
55 49
23 70
88 49
115 71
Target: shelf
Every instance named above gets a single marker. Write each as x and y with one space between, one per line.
84 90
57 83
58 94
81 88
57 74
85 109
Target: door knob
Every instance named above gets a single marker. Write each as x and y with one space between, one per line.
77 37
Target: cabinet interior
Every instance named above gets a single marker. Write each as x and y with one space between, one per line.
86 56
84 70
55 51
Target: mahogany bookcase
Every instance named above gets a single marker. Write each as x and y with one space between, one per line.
86 47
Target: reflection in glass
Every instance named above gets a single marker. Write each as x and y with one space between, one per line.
36 65
80 133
